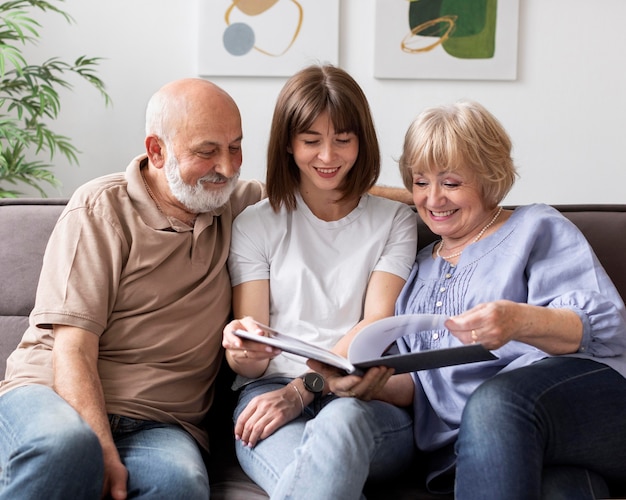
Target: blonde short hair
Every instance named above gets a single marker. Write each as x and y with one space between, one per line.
460 135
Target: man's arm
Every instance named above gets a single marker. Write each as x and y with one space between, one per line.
76 379
393 193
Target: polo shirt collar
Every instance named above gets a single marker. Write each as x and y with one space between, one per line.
146 207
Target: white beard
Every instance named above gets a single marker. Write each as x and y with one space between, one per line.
195 198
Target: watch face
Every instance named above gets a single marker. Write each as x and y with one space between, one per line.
313 382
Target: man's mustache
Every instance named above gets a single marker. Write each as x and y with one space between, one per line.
217 178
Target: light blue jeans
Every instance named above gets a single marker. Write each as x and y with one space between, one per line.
331 454
48 451
555 429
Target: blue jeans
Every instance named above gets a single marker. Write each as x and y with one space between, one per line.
554 429
331 454
48 451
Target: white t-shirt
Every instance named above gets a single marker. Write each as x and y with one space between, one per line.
319 270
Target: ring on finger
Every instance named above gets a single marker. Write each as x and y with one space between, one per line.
474 336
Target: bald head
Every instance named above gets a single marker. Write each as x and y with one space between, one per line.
193 144
186 101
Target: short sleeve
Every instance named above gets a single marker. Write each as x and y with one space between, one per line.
401 246
248 260
80 273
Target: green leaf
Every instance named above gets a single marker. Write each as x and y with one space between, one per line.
30 100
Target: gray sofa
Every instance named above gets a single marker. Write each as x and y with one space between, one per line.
25 225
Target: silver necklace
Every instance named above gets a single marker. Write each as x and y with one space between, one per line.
189 222
482 231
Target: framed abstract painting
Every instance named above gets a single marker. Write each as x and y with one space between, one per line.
266 37
446 39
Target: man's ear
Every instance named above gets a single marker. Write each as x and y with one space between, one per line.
154 149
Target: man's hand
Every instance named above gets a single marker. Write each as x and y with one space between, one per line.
115 478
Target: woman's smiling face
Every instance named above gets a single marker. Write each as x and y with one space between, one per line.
450 202
324 155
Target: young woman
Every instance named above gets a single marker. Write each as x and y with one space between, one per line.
320 258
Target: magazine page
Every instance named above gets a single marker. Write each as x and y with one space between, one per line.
374 339
294 345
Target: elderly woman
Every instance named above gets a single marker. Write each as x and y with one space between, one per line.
547 419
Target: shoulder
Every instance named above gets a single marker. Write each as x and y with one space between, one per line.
380 204
390 213
104 196
246 193
544 226
260 218
99 215
261 209
386 202
540 214
91 192
537 210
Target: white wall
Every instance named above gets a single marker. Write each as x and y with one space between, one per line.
565 112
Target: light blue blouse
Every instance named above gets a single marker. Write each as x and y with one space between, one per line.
537 257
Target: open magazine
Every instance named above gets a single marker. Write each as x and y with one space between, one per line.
369 345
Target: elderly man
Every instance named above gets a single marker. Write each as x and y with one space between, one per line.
107 390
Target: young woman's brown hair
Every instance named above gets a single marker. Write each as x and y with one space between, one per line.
304 97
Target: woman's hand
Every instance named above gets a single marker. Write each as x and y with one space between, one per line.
267 413
246 357
366 388
493 324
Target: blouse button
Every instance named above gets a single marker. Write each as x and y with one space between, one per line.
439 303
448 276
435 336
442 289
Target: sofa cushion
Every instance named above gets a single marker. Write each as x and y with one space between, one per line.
25 227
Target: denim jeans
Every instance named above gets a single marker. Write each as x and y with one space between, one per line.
331 454
163 460
48 451
554 429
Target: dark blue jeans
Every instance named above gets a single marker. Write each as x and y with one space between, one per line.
554 429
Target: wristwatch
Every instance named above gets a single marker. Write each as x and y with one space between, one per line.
314 383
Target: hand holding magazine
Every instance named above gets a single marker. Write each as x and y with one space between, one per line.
368 346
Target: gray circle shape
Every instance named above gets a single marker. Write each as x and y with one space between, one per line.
238 39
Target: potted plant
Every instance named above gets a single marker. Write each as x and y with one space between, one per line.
29 99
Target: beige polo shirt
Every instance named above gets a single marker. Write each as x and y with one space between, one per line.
156 292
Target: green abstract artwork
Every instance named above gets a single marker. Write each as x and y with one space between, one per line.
447 39
465 29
